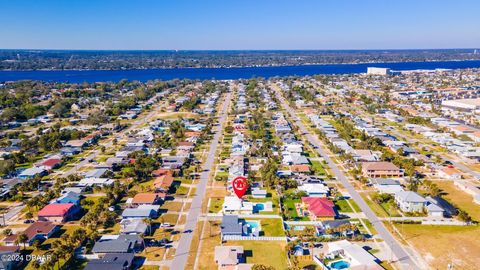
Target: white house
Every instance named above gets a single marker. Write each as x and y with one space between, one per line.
450 173
409 201
315 189
357 257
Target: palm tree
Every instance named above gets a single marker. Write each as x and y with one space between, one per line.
22 238
148 222
78 236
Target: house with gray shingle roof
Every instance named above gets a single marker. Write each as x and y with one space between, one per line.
117 244
409 201
231 225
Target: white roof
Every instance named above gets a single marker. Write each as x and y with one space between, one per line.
390 189
357 255
314 188
233 203
95 181
33 171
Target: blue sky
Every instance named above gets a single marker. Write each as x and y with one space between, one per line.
239 24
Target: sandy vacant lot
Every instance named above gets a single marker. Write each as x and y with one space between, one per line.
441 245
174 115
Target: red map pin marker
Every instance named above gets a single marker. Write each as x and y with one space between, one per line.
240 185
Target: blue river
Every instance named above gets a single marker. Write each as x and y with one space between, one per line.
79 76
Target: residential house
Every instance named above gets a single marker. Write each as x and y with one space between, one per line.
93 181
50 164
231 225
112 261
69 197
381 169
230 257
58 212
96 173
10 252
173 162
315 189
301 253
147 198
259 193
234 205
318 208
300 169
163 182
123 243
450 173
386 185
76 143
355 255
142 211
70 151
133 226
38 231
336 228
33 172
409 201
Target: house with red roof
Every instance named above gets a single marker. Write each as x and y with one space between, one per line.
318 208
51 163
58 212
38 231
163 182
162 171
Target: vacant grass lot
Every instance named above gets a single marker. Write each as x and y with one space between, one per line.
215 205
441 245
459 198
210 239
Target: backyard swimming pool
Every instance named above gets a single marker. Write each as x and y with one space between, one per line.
339 265
253 225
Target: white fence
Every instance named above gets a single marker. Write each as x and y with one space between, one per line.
254 238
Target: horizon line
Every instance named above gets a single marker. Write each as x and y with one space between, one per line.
236 50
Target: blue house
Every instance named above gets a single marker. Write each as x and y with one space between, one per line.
70 197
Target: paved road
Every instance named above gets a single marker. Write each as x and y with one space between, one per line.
402 256
95 153
458 165
12 212
183 249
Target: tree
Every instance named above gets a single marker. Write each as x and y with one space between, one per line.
7 166
464 216
29 215
148 222
22 238
7 232
262 267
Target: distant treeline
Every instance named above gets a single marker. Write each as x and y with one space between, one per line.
115 60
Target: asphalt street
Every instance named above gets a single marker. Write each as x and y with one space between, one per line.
402 256
183 248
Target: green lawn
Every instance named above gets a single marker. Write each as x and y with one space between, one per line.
289 204
318 168
342 206
181 190
354 205
390 208
221 174
369 226
215 205
377 209
271 226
